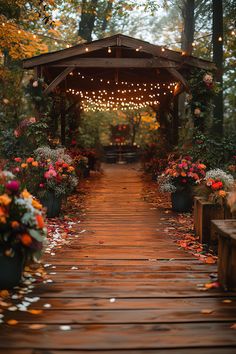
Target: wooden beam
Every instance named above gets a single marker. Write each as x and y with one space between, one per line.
176 74
57 81
116 63
167 53
69 52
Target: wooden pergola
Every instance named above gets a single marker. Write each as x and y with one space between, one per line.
117 72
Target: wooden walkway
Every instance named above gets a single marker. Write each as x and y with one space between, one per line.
134 291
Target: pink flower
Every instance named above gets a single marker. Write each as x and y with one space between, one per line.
35 84
197 112
17 169
13 186
50 173
41 185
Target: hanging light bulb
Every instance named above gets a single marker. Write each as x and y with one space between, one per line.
220 39
109 49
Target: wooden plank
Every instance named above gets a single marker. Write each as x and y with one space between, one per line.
222 350
107 337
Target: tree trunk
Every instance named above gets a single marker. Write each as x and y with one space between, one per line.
217 39
87 20
188 26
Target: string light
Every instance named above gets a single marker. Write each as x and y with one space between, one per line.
34 36
220 39
86 49
109 49
163 49
193 44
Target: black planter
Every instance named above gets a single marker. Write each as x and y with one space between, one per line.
182 201
53 204
11 269
86 172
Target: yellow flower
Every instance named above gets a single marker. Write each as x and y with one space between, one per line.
36 204
222 193
24 165
25 194
5 199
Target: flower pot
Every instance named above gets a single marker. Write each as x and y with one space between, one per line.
53 204
11 268
86 172
182 201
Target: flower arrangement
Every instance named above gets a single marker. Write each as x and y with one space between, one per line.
50 171
21 219
181 174
216 186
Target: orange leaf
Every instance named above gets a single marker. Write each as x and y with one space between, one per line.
35 312
37 326
207 311
4 293
210 260
12 322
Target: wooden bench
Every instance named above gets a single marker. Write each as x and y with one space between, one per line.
204 212
226 233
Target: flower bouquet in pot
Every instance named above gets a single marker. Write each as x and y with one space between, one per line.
178 179
50 176
216 186
22 229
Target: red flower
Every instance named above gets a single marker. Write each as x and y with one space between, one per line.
217 185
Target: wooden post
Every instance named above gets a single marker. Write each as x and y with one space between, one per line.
63 121
175 125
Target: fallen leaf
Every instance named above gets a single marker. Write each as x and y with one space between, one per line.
4 293
37 326
35 312
207 311
212 285
12 322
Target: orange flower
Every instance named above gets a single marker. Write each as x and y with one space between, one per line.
24 165
222 193
71 168
35 163
3 216
15 224
40 221
183 174
30 159
4 199
26 239
36 204
25 194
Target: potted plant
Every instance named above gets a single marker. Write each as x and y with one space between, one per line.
50 176
178 179
215 186
22 229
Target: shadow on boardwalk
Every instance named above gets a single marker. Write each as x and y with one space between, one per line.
124 286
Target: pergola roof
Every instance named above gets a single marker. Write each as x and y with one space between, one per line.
113 63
